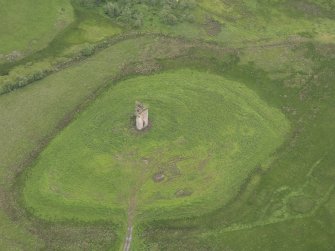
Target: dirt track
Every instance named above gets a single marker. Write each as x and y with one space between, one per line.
128 239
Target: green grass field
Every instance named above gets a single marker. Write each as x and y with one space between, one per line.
32 27
93 166
33 114
241 106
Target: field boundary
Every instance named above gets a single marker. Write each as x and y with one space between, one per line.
25 80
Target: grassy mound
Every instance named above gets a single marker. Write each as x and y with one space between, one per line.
207 135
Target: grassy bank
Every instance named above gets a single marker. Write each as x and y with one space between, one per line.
102 144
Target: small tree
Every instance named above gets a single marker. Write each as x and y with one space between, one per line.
138 22
112 9
167 17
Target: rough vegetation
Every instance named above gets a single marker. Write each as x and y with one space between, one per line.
133 13
241 99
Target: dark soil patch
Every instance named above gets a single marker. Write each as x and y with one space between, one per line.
183 192
158 177
212 27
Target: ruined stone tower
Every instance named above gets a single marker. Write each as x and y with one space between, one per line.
142 116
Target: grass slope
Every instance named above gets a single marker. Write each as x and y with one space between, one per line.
288 205
207 135
235 22
33 26
30 115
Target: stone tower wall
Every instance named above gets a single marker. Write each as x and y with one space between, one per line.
145 117
139 123
142 116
